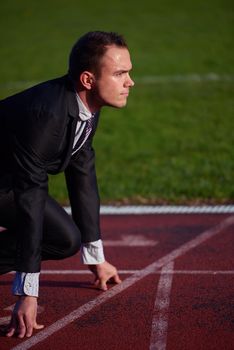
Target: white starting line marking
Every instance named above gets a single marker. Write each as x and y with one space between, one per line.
130 241
6 320
129 272
158 339
102 298
125 241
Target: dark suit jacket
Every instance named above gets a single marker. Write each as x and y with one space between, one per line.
37 128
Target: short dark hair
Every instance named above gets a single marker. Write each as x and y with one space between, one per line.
89 49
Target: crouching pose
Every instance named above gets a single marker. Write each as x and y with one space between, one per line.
49 129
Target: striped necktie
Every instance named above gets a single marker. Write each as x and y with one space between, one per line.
85 134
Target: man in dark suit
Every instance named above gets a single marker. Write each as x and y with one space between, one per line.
49 129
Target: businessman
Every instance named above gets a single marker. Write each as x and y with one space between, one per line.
49 129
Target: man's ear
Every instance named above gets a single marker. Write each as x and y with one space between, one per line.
87 79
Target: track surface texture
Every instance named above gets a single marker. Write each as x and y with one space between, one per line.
177 290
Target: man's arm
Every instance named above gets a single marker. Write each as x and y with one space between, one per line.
83 193
30 186
84 198
33 146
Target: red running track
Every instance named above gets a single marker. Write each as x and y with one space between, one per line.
177 290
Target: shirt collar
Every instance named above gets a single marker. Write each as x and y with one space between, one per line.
84 113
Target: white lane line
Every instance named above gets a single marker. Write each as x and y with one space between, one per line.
102 298
163 209
129 272
183 78
5 320
160 209
158 338
146 80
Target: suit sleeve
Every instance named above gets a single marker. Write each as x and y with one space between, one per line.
31 149
83 193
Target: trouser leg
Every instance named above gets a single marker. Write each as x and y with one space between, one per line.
61 237
8 237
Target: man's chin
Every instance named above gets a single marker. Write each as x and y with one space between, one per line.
120 104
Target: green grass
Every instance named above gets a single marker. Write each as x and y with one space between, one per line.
177 149
174 141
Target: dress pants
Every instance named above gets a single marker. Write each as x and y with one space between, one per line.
61 236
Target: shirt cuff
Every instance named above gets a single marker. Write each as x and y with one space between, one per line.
26 284
92 253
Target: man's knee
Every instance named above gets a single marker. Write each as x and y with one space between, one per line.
62 247
72 246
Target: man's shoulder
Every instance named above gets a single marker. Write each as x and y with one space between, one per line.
60 83
47 92
45 89
45 95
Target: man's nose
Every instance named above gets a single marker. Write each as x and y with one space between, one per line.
130 82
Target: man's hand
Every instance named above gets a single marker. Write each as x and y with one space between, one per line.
23 319
104 273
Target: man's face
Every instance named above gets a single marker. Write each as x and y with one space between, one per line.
113 82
